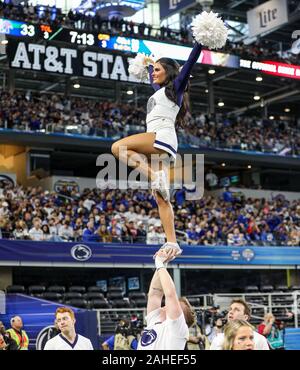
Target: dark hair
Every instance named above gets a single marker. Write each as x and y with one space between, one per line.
247 309
48 230
172 70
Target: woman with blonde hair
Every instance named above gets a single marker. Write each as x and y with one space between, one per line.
238 336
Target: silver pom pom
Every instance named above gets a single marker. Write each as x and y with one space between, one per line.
209 30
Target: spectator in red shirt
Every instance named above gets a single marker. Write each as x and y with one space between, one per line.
272 331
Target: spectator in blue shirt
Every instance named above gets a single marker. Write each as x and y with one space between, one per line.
89 233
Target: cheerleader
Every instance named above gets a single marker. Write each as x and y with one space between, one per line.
166 109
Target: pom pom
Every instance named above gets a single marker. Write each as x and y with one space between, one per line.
209 30
138 68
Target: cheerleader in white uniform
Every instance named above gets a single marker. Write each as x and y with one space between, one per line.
167 107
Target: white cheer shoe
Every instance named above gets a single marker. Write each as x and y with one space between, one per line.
160 185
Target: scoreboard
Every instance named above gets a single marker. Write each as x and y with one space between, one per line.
40 32
44 34
36 32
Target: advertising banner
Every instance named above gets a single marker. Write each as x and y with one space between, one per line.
267 16
104 254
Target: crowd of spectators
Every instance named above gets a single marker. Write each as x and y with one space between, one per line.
244 133
132 217
95 22
55 114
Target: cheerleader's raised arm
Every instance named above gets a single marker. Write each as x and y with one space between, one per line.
182 79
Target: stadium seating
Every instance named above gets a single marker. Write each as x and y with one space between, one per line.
72 295
95 289
266 288
137 295
121 303
251 289
99 303
138 302
16 289
53 296
36 290
77 302
194 301
295 287
56 289
281 288
114 289
77 289
91 295
114 295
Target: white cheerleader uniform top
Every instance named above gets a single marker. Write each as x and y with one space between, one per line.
162 112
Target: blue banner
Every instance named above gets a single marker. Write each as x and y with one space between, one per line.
170 7
93 254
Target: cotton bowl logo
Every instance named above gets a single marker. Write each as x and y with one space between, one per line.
81 252
248 254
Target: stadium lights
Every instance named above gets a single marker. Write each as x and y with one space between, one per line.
130 92
256 97
259 78
211 71
221 103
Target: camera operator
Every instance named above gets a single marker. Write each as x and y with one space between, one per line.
218 327
196 341
136 326
122 339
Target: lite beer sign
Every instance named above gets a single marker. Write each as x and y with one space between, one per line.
267 16
170 7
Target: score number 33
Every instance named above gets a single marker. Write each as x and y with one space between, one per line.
27 30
